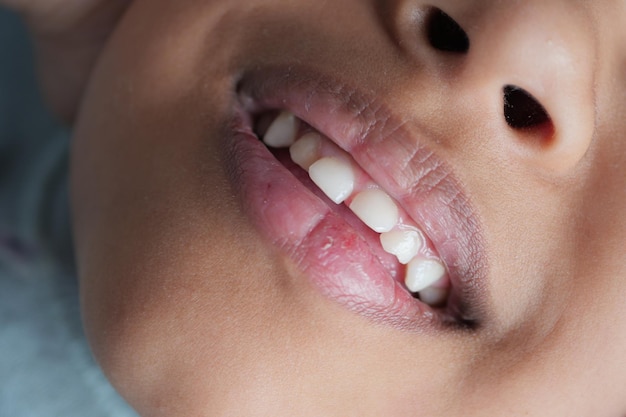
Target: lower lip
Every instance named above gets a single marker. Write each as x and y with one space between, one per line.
336 255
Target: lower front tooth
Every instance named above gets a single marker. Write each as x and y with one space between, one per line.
335 177
422 273
376 209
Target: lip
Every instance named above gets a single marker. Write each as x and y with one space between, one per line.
336 255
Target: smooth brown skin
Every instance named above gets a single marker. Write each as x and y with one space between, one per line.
191 314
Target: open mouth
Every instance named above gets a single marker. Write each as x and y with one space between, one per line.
341 180
319 176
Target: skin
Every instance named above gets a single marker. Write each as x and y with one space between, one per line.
190 312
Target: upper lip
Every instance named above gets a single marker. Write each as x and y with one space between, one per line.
397 157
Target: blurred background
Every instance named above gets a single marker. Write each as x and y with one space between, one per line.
46 368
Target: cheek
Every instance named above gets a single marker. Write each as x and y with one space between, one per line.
154 217
164 255
145 147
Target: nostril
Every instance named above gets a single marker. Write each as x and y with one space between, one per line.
522 110
444 34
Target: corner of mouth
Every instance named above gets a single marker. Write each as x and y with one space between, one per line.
353 121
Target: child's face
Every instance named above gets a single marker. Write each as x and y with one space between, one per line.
216 278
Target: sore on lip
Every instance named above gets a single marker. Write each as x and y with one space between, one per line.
326 244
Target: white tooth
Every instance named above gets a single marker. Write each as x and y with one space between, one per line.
403 243
305 151
376 209
422 273
282 132
433 296
334 177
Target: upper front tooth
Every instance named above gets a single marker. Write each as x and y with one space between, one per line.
282 132
403 243
376 209
305 151
422 273
335 177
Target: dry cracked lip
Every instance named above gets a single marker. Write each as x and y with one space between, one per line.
331 173
336 253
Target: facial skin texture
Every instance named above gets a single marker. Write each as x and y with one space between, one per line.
191 312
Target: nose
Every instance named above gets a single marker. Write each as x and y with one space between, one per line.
524 70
